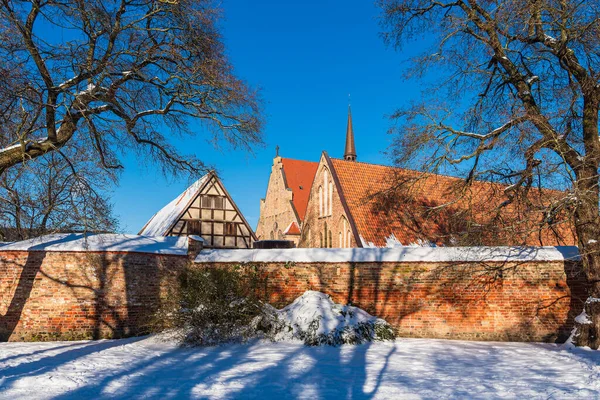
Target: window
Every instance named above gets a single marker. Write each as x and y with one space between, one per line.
330 202
326 194
348 239
321 239
325 235
213 202
193 227
330 241
229 228
320 201
219 203
341 242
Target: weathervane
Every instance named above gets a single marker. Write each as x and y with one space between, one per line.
277 151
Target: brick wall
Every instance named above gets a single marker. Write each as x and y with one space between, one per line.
80 295
76 295
532 301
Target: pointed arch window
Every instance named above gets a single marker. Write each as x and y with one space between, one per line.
326 194
330 202
320 201
344 227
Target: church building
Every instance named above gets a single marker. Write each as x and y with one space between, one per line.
207 210
339 203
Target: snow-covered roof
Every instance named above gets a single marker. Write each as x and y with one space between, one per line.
102 242
163 220
397 254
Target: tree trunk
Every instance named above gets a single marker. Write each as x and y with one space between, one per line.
587 224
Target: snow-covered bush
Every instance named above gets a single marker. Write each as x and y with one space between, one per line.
220 305
316 320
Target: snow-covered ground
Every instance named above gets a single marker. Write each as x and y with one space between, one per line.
408 368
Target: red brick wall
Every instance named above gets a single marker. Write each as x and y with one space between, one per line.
79 295
68 295
534 301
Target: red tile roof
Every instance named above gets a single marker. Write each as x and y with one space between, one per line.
292 229
377 221
299 176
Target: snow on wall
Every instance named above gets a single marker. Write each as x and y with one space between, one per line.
397 254
102 242
168 215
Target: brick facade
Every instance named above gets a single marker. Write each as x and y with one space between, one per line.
326 218
276 209
77 295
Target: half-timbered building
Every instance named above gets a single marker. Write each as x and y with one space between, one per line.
205 209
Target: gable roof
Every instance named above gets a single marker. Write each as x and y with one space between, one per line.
359 182
299 176
292 229
166 217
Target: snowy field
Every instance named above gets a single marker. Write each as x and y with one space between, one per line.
408 368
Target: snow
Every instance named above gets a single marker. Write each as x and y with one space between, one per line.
148 367
365 243
398 254
102 242
196 238
583 319
592 241
162 221
316 315
392 242
14 146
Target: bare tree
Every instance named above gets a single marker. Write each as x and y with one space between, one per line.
60 192
523 82
121 72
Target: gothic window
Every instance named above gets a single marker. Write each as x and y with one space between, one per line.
330 241
321 239
326 194
330 198
325 235
320 201
343 224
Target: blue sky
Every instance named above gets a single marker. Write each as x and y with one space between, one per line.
306 57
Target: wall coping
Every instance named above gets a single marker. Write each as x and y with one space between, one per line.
103 242
397 254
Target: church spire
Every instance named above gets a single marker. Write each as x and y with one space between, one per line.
350 152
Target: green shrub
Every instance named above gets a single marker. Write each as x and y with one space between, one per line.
214 305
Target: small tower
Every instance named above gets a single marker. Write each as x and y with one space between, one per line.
350 152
